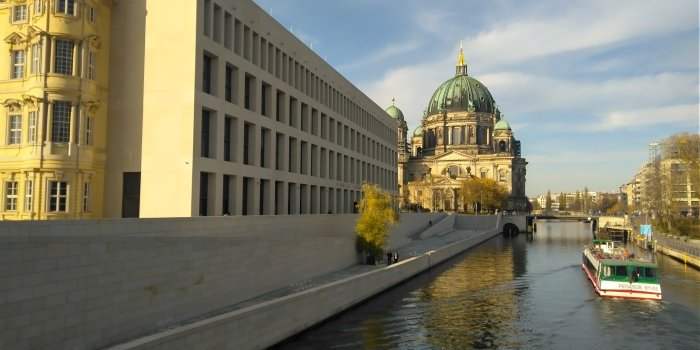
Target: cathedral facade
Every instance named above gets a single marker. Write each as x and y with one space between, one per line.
462 135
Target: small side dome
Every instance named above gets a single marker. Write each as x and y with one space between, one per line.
394 111
502 125
418 131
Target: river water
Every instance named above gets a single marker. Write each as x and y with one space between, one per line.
514 293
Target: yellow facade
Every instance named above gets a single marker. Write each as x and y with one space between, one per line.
54 89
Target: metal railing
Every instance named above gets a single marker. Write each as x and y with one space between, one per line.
678 245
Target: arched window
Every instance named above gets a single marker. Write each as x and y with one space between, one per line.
502 146
453 171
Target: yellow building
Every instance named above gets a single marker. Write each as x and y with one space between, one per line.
54 88
213 108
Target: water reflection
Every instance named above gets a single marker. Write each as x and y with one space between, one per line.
516 293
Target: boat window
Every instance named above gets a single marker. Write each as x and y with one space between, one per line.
620 270
607 271
649 272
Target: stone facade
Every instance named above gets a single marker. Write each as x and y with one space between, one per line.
461 135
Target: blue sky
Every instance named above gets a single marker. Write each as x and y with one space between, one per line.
586 85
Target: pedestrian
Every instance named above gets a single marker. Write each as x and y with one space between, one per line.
396 257
388 258
430 222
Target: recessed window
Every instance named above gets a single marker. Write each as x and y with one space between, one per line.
92 15
38 7
89 125
35 66
11 196
18 59
19 13
60 122
58 195
86 197
63 62
28 195
14 135
91 63
31 132
65 7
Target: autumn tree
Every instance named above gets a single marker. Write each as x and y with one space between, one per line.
577 202
483 193
548 201
376 217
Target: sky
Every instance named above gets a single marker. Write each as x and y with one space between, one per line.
585 85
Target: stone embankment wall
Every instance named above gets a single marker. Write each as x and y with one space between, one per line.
89 284
264 324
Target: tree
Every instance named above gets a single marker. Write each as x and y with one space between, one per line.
586 200
376 216
536 205
548 201
562 201
577 202
483 193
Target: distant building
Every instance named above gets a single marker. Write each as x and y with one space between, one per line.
179 108
461 135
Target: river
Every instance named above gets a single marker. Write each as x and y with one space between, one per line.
516 293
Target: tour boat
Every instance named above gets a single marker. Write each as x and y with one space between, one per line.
615 273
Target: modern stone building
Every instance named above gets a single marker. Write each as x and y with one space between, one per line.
462 135
154 108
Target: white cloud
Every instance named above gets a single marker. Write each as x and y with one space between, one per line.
579 26
380 55
631 119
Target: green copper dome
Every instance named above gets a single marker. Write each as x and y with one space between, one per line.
461 93
394 112
502 125
418 131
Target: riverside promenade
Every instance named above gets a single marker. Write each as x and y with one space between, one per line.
688 253
272 317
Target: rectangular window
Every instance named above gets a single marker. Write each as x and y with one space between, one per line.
63 62
28 195
19 13
92 15
10 195
14 135
249 92
86 197
207 17
65 7
18 59
60 122
248 144
203 194
38 7
36 59
91 61
207 134
206 74
58 195
265 99
228 30
31 132
265 141
231 81
89 125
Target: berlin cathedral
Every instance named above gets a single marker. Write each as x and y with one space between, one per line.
462 134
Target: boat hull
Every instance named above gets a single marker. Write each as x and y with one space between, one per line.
621 289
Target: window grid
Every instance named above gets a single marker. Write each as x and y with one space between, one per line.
60 124
38 7
65 7
15 130
58 191
28 195
31 132
89 123
64 57
19 13
36 59
18 59
86 197
91 59
11 196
